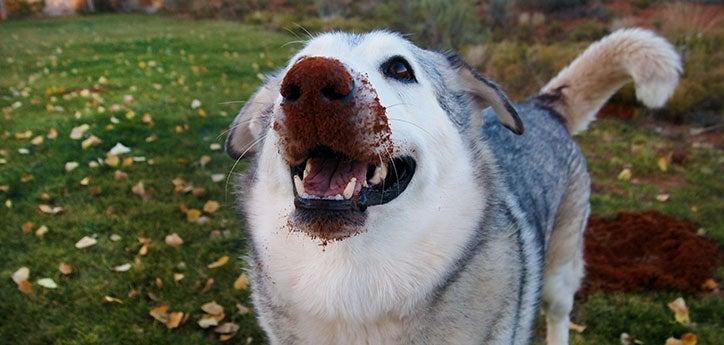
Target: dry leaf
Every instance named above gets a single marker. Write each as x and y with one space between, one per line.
140 190
710 284
37 140
70 166
115 237
52 134
119 175
174 240
85 181
215 147
686 339
198 192
192 215
225 337
41 231
664 197
218 177
629 340
174 319
624 175
207 321
242 282
77 132
220 262
23 273
27 227
663 164
681 311
226 328
85 242
205 159
160 313
110 300
177 277
576 327
119 149
47 283
25 287
112 160
144 250
91 141
242 309
122 268
208 286
65 269
211 206
213 308
50 210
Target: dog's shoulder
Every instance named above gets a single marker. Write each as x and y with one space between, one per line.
537 165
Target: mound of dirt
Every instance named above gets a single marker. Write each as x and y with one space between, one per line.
646 251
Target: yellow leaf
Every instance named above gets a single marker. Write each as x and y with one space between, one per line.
112 160
211 206
160 313
710 284
207 321
663 164
174 319
624 175
242 282
681 311
688 339
220 262
91 141
193 215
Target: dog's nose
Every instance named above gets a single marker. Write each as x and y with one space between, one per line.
315 81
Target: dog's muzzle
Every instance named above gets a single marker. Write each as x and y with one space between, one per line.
334 134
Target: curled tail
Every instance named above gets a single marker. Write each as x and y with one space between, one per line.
582 88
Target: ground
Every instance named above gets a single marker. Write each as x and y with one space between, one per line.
167 89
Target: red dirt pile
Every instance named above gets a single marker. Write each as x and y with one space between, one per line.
646 251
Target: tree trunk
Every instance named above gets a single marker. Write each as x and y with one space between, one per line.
3 14
89 3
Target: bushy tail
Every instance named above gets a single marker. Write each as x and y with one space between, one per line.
582 88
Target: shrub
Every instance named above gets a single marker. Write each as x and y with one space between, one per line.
24 8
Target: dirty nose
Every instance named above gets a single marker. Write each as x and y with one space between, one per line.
314 82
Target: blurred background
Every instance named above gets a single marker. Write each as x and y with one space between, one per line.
117 221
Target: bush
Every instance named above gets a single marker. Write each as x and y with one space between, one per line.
24 8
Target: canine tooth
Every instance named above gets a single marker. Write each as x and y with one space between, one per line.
307 168
349 190
299 185
380 174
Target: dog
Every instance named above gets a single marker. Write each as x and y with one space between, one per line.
396 195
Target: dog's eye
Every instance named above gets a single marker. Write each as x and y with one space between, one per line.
398 68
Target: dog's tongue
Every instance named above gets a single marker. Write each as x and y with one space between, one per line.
328 177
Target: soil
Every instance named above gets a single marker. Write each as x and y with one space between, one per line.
646 251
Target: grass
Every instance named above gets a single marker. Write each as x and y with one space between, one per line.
165 64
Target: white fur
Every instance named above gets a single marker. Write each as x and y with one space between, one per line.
595 75
356 290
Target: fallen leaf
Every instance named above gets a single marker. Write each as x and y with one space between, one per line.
211 206
198 192
65 269
215 147
195 104
119 175
220 262
70 166
160 313
174 319
122 268
47 283
119 149
25 287
41 231
681 311
664 197
207 321
226 328
626 339
85 181
27 227
143 251
242 309
686 339
115 237
52 134
90 141
218 177
242 283
50 210
111 300
710 284
23 273
212 308
112 160
663 163
209 284
85 242
624 175
205 159
193 215
37 140
177 277
174 240
225 337
158 282
140 190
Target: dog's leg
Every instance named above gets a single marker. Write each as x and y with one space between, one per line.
564 258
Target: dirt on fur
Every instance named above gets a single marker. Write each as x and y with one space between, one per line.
646 251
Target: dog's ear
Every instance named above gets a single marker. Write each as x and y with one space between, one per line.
249 124
486 93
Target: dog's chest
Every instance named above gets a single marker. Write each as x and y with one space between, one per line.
314 331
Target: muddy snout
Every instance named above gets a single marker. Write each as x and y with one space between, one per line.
326 104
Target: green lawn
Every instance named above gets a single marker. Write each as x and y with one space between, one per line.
164 65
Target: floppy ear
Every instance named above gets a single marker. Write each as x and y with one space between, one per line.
252 120
486 93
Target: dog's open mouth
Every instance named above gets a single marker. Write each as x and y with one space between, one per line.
332 181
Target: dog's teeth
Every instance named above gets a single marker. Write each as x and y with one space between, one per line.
380 174
299 185
307 168
349 190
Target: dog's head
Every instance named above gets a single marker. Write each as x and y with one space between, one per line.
355 123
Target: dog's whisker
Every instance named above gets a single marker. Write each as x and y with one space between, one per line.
231 171
435 139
